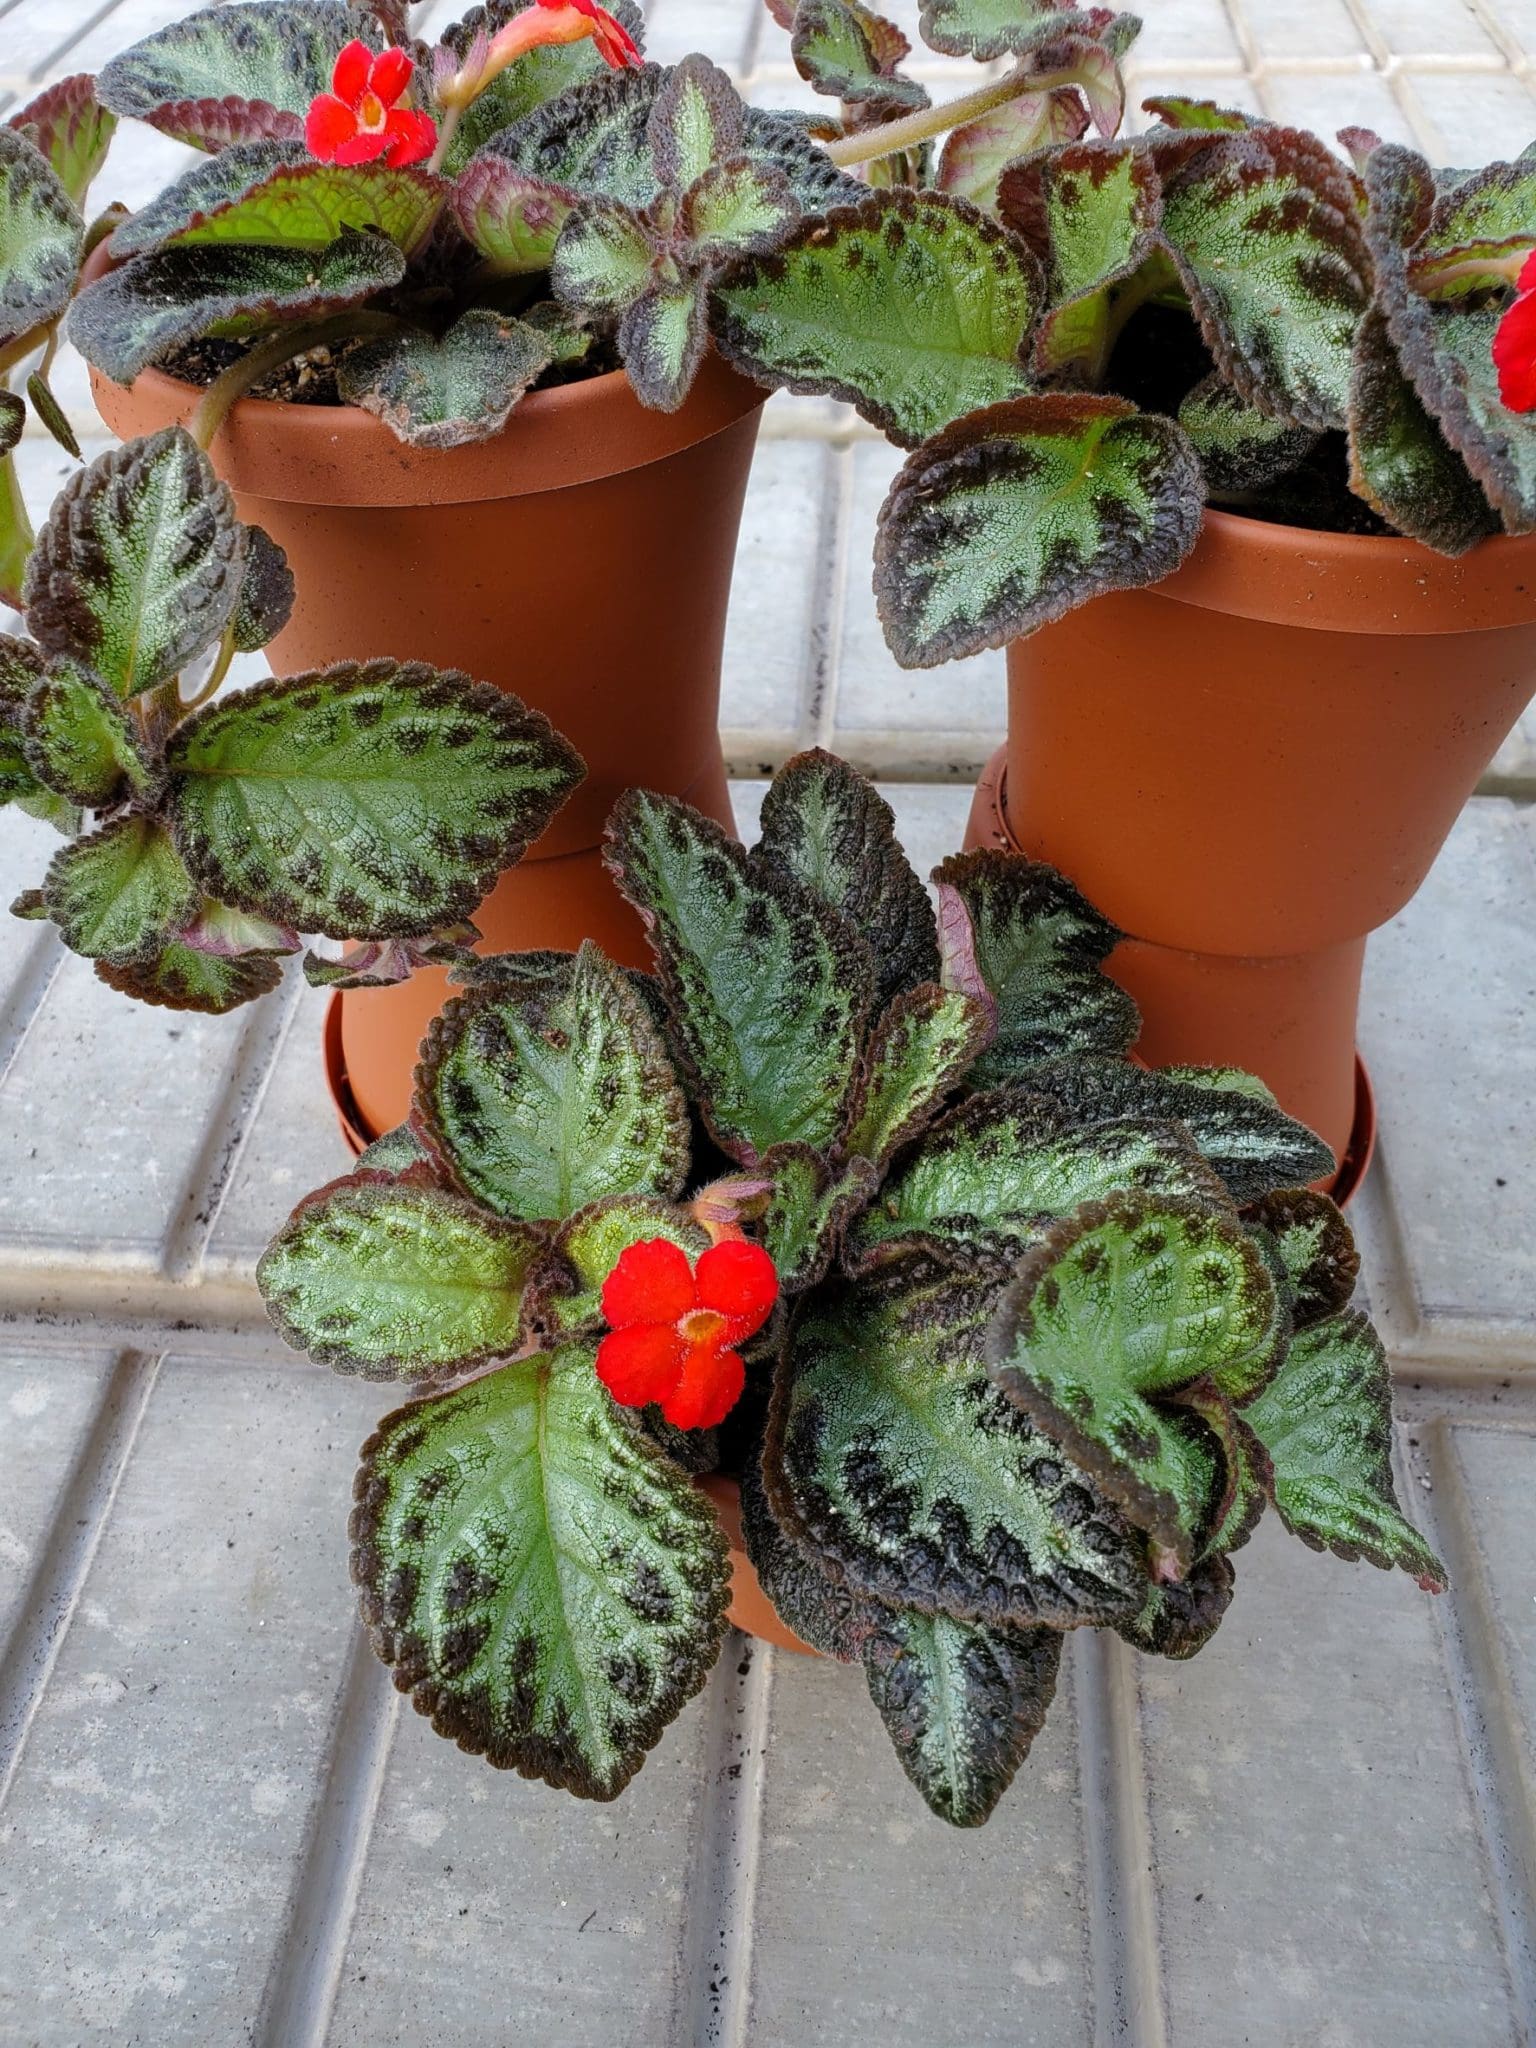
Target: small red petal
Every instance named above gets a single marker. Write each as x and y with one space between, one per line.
349 80
390 75
651 1282
708 1389
613 41
738 1280
1514 354
364 148
327 126
412 137
641 1365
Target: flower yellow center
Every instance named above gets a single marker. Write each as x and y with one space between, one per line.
701 1326
371 113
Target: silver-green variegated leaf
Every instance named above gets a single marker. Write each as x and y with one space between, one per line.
157 304
1243 1491
1240 448
697 120
395 1153
1179 1616
593 139
826 1612
1494 206
1178 111
395 1280
71 128
1126 1301
566 1296
80 741
851 53
961 1702
119 894
1090 210
1268 243
233 73
1016 515
976 154
538 77
140 563
737 205
809 1210
265 603
541 1098
987 1182
1039 947
1247 1138
1326 1421
295 203
895 1459
833 831
547 1586
913 307
767 990
922 1047
985 29
443 391
1312 1249
604 259
207 186
1400 462
662 338
366 800
41 235
512 217
178 976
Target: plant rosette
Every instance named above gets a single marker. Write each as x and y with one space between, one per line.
864 1201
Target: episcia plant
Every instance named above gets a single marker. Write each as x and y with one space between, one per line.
373 800
1221 310
864 1203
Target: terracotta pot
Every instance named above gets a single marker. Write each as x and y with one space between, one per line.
1253 765
750 1609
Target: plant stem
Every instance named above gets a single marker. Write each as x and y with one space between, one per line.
866 144
281 345
445 129
216 674
1474 272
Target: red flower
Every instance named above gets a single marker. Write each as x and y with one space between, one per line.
612 40
358 119
1514 344
673 1327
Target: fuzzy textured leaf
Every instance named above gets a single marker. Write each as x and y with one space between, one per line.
1240 448
1128 1300
662 338
851 53
985 29
207 186
441 392
1179 1618
809 1210
824 1612
1177 110
140 563
513 218
265 603
768 991
71 128
735 205
922 1047
41 235
834 832
305 205
176 976
592 139
543 1098
1018 514
393 1281
1399 460
1326 1422
696 120
538 76
364 800
1039 946
79 739
157 304
912 306
117 895
1315 1250
892 1455
545 1583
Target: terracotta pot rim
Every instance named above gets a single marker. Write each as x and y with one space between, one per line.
1351 582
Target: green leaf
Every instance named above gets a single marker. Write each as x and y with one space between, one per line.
392 1281
177 976
736 205
140 563
442 392
1178 1619
986 1181
157 304
696 120
1240 448
1244 1491
831 829
823 1611
547 1585
1314 1249
118 894
51 414
21 669
395 1153
962 1704
539 76
566 1296
232 73
15 526
985 29
1176 110
922 1047
912 306
365 800
71 128
809 1210
592 139
1020 513
79 739
892 1455
13 419
265 603
208 185
542 1098
1039 946
294 205
1251 1143
513 218
1496 204
603 260
848 51
977 153
1326 1421
1128 1300
662 338
41 235
768 991
1268 243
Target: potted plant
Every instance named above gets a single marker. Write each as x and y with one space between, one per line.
370 800
1218 359
1002 1334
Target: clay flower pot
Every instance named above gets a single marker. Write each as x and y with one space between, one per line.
582 558
1252 766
